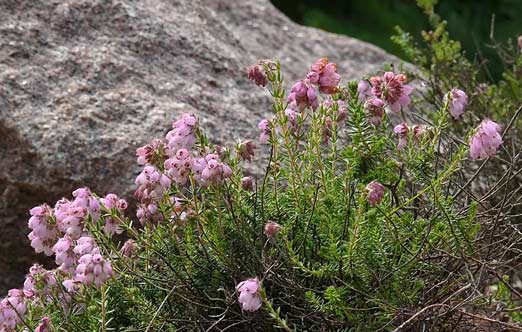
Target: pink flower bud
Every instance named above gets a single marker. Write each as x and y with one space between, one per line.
44 326
129 248
247 183
246 150
402 131
271 229
375 192
374 107
457 100
364 90
257 74
264 126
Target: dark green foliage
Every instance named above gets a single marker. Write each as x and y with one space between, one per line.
375 20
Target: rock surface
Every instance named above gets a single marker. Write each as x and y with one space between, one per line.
83 83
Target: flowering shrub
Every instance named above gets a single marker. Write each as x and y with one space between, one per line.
366 217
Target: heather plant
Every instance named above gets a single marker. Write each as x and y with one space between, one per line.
372 210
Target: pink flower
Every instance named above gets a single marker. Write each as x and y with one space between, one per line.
64 254
264 126
83 198
44 231
486 140
325 75
249 295
112 226
129 248
246 150
85 245
210 170
364 90
178 167
44 326
391 89
72 286
114 204
182 136
151 184
271 229
148 212
418 131
112 201
375 109
12 309
72 215
327 129
304 94
247 183
291 115
375 192
152 153
92 268
39 282
402 131
257 74
337 106
457 100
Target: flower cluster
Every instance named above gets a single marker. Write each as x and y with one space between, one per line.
210 169
246 150
391 89
303 94
404 132
247 183
182 136
12 310
178 164
39 282
324 75
92 268
72 215
62 231
152 153
271 229
116 206
178 167
456 101
152 184
388 90
486 140
44 232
